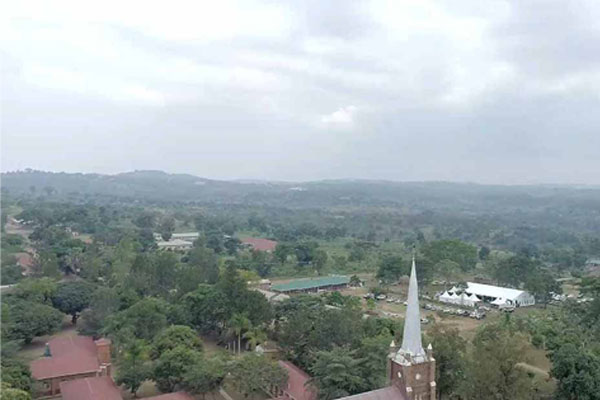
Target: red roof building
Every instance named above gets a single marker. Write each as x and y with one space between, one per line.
95 388
297 387
260 244
71 357
171 396
24 260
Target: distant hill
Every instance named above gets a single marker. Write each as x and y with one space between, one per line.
159 186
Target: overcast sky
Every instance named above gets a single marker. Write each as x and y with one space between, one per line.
483 91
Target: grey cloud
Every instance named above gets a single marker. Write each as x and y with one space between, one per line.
266 122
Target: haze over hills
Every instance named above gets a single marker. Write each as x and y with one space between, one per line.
158 185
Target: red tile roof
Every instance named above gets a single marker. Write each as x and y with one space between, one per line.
24 259
69 355
171 396
387 393
96 388
297 380
260 244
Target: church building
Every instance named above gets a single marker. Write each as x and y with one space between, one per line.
411 369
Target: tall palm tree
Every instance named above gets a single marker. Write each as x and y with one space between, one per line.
237 324
255 336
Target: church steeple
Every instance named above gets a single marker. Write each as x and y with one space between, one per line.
411 368
411 340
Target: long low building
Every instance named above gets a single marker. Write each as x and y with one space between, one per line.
312 284
500 295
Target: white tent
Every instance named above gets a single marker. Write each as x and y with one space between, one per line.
445 297
465 300
499 301
474 298
453 298
454 290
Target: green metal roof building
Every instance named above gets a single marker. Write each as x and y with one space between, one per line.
312 284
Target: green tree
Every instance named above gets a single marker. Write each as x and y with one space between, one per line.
464 254
105 301
541 284
37 290
205 376
204 262
320 260
173 336
143 320
145 220
484 253
373 353
577 370
9 393
238 324
28 320
337 373
448 270
166 227
391 268
492 369
72 297
282 251
171 367
133 366
46 264
449 350
207 308
255 336
253 373
16 374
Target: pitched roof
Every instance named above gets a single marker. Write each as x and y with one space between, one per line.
387 393
69 355
297 382
493 291
171 396
96 388
260 244
313 283
411 340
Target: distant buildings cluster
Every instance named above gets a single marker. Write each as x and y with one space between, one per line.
185 241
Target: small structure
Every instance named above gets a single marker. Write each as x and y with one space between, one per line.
187 236
272 297
515 297
175 244
312 285
69 358
260 244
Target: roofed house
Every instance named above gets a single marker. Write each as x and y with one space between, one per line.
104 388
260 244
297 387
68 358
312 284
93 388
171 396
175 244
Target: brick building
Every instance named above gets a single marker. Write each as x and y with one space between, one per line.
69 358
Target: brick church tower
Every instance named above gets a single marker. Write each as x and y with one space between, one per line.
411 368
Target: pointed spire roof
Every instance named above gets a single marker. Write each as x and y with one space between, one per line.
411 341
